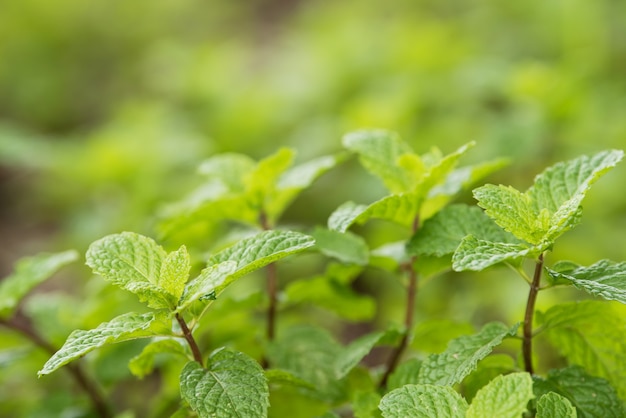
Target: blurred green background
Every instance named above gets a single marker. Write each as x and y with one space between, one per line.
108 107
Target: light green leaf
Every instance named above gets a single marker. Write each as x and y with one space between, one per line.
345 247
462 355
438 172
125 327
282 376
261 182
229 168
406 373
605 278
561 188
463 177
401 209
232 385
207 284
133 262
365 404
260 250
297 348
175 272
578 331
504 397
475 254
29 272
344 216
592 396
354 353
143 364
379 152
513 211
488 369
442 234
423 401
552 405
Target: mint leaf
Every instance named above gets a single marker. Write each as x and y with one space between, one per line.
125 327
513 211
406 373
561 188
365 404
504 397
578 331
207 284
379 152
175 272
399 208
488 369
133 262
442 234
554 405
592 396
29 272
233 385
278 376
258 251
344 216
229 169
354 353
345 247
143 364
423 401
605 278
462 355
476 254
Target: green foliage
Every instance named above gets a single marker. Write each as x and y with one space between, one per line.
422 401
505 396
462 355
554 405
605 278
29 272
231 385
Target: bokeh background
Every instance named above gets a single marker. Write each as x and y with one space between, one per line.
108 107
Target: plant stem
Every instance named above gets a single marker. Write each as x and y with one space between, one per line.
409 267
197 355
528 316
21 325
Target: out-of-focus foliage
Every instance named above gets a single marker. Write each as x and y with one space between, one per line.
107 109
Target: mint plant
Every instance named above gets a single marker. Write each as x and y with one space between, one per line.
419 186
307 370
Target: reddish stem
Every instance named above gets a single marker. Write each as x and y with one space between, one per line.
528 316
197 355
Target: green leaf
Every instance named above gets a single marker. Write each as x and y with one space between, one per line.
354 353
229 168
463 354
345 247
233 385
175 272
379 152
504 397
143 364
133 262
578 331
261 182
207 284
605 278
423 401
258 251
553 405
488 369
365 404
406 373
592 396
513 211
561 188
433 335
125 327
297 348
442 234
278 376
476 254
344 216
29 272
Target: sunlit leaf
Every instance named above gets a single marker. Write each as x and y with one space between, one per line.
475 254
504 397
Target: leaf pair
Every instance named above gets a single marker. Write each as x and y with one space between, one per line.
536 218
420 185
240 189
